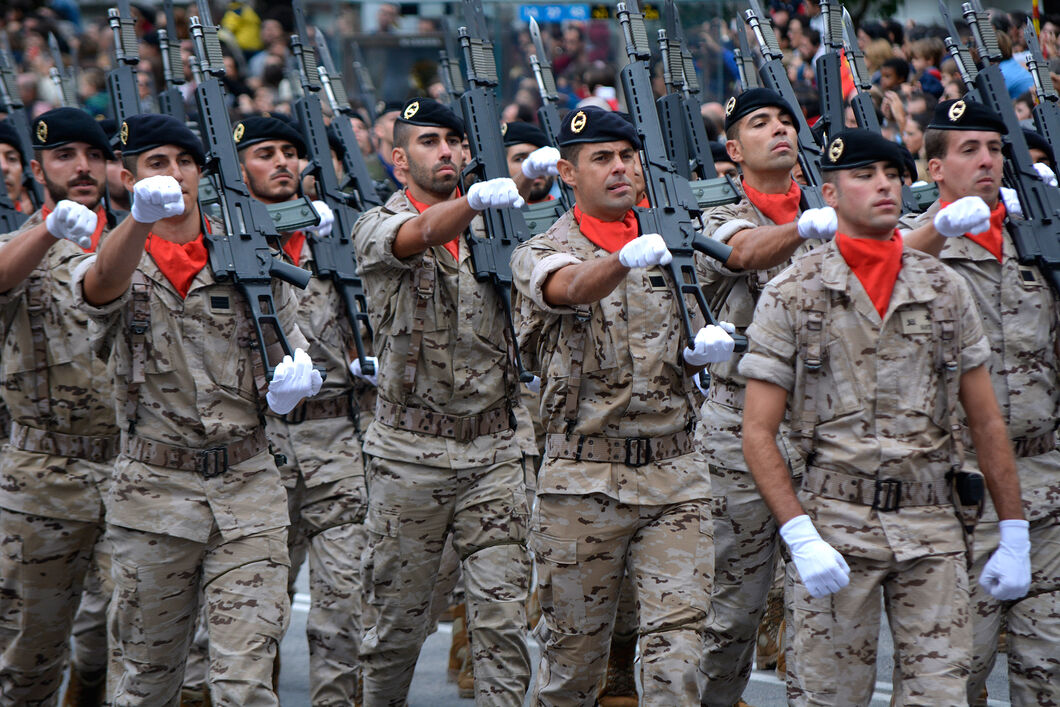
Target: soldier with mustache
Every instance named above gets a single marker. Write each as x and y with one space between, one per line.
56 468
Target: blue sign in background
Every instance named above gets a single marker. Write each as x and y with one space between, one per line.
553 13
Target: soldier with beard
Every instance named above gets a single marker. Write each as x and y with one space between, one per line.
531 162
56 468
443 453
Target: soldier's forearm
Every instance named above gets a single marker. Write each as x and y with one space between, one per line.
584 283
763 248
20 255
116 261
992 445
439 224
764 408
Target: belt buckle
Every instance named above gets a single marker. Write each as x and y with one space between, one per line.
887 496
213 461
638 451
465 429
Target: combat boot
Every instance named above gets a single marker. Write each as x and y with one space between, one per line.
620 689
770 643
533 610
85 690
458 648
465 681
195 697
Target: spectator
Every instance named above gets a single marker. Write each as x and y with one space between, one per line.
893 74
1017 79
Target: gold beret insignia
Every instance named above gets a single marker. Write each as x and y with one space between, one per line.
577 123
835 150
237 134
730 105
124 134
42 132
956 111
412 109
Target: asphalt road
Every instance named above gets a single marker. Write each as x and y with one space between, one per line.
430 688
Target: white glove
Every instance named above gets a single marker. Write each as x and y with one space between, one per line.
645 251
292 380
355 369
156 198
72 221
494 194
969 214
1012 202
820 224
1047 175
712 345
821 568
534 386
541 163
1007 574
327 218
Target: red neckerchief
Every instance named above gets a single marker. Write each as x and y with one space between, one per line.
876 264
452 246
781 209
293 246
609 235
991 238
179 262
101 222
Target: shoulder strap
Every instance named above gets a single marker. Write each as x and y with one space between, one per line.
139 324
945 326
423 277
36 293
814 306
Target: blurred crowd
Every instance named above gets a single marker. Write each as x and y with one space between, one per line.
910 68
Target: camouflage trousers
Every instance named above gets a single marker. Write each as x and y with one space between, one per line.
584 546
412 509
745 558
1033 622
43 567
831 647
159 580
328 530
90 622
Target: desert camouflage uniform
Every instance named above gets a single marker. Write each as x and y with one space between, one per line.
185 516
594 520
745 532
444 369
883 413
323 472
1022 322
55 471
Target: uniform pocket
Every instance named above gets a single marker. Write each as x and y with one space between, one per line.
559 581
382 559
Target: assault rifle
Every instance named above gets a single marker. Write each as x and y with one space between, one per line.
121 80
1037 236
333 255
914 199
241 255
11 104
673 204
961 54
829 70
357 177
61 76
745 62
548 114
365 87
1047 110
505 228
171 100
449 68
775 76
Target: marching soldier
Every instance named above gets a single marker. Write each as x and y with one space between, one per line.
319 442
621 488
1021 317
197 507
11 167
443 454
868 346
56 467
765 230
531 161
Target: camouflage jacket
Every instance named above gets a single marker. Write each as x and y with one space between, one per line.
633 377
882 410
1021 318
736 292
464 364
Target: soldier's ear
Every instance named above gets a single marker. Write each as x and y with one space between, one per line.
566 170
935 169
830 192
38 171
733 148
399 158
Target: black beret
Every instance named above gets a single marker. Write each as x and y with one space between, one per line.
1036 142
856 147
334 141
596 125
8 136
751 100
384 107
62 126
909 161
963 114
143 132
518 133
718 152
259 128
429 112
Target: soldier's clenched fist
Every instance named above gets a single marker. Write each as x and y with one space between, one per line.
72 221
156 198
645 251
498 193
